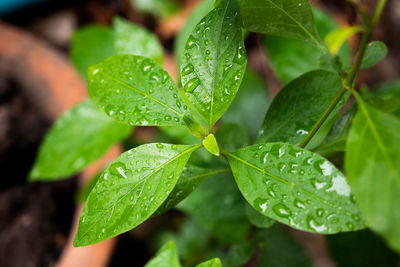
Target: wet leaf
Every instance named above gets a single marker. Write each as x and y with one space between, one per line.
90 45
249 107
166 256
375 52
372 164
285 18
257 219
292 58
130 190
296 187
79 137
214 61
298 106
279 248
135 40
210 263
191 177
136 90
231 136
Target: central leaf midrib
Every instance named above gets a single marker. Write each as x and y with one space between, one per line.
279 179
140 182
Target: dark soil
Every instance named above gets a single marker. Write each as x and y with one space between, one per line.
34 217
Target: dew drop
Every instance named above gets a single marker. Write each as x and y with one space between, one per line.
191 42
167 117
281 210
187 69
118 168
191 85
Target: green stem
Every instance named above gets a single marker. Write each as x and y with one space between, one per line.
351 77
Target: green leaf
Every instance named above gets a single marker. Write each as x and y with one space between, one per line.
210 263
335 39
250 105
90 45
257 218
166 256
298 106
386 97
284 18
79 137
372 163
231 136
366 249
130 190
279 248
136 90
296 187
191 177
214 61
292 58
375 52
210 143
239 254
197 14
135 40
158 8
218 206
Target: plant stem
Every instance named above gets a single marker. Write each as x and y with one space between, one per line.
351 77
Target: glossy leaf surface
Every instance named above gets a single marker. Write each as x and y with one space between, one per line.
372 164
292 58
81 136
285 18
135 40
90 45
296 187
210 263
214 61
136 90
166 256
130 190
375 52
250 105
191 177
298 106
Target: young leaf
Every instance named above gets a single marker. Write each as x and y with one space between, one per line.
250 105
292 58
166 256
90 45
285 18
257 218
231 136
298 106
191 177
159 8
210 263
136 90
210 143
338 37
130 190
276 245
372 163
375 52
197 14
81 136
214 61
135 40
296 187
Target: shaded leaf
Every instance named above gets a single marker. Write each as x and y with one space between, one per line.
372 163
136 90
296 187
130 190
375 52
135 40
386 97
79 137
285 18
231 136
249 107
239 254
258 219
191 177
159 8
214 61
166 256
298 106
90 45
